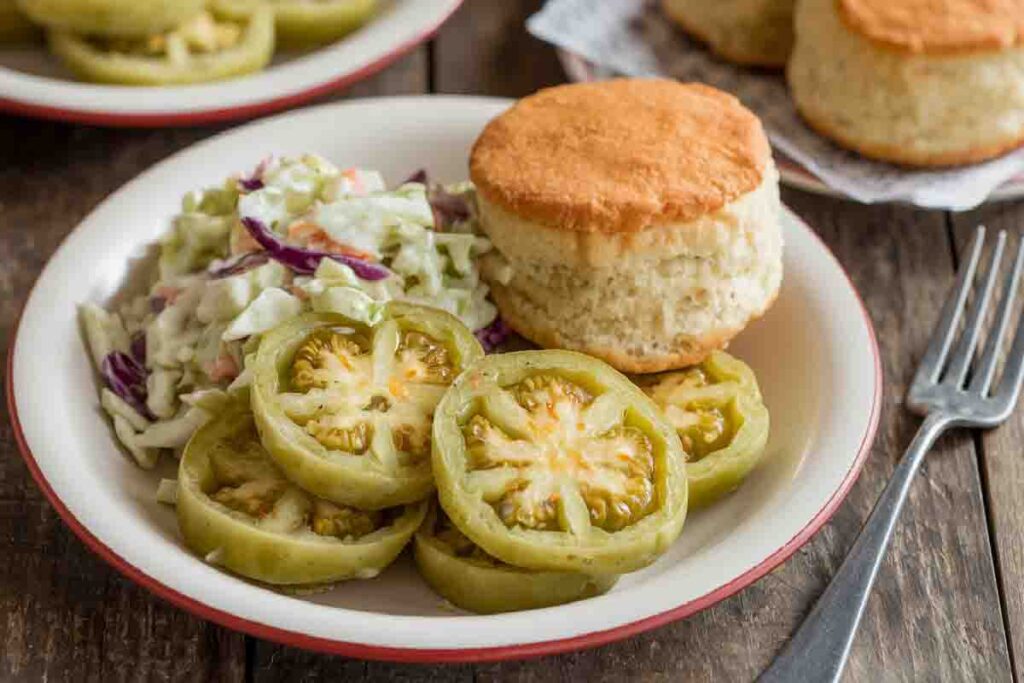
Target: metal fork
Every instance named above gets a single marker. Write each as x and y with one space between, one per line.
949 390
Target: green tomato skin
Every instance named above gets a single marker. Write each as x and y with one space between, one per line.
630 549
90 63
115 18
212 531
307 24
721 472
484 589
301 24
350 480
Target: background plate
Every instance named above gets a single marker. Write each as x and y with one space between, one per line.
33 82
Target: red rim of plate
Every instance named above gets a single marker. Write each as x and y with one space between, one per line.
466 655
245 111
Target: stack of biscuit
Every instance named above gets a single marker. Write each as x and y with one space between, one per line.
748 32
914 82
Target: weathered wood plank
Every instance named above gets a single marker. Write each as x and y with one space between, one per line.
485 50
932 613
292 665
1002 454
64 614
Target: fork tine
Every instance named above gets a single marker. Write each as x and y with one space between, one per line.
1013 372
960 362
942 338
982 380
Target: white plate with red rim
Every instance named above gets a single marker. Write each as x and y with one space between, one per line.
815 355
791 173
33 82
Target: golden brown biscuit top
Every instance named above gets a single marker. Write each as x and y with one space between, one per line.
937 26
620 155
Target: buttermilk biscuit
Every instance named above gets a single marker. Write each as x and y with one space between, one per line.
749 32
917 82
634 220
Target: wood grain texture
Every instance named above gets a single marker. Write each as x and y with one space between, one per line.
485 50
64 614
934 615
1002 452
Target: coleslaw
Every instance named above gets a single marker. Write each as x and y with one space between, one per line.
295 235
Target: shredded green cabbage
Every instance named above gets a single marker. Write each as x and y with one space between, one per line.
203 317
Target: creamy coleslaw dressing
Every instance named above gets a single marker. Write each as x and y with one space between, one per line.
208 308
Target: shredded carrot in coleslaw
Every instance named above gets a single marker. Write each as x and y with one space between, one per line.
224 368
311 235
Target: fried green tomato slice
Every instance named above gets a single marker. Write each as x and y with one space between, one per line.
552 460
312 22
466 576
208 47
122 18
237 510
346 410
717 410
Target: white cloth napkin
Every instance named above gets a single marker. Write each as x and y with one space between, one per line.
634 38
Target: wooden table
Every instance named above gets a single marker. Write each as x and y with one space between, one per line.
948 604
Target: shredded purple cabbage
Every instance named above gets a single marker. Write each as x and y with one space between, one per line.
250 184
494 335
448 208
305 261
419 176
239 264
157 303
255 181
126 377
138 348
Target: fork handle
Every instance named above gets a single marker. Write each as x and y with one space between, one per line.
820 647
